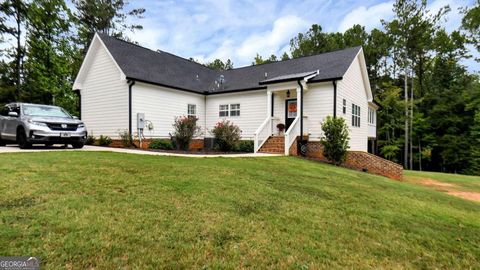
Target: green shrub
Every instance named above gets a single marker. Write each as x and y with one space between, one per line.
185 129
161 144
104 140
226 135
244 146
335 139
127 140
90 139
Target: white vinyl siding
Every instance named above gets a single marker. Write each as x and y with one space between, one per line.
352 89
161 105
104 96
318 104
253 106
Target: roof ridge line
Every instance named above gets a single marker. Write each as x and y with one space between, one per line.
218 71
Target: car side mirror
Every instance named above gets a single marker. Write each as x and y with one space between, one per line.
13 114
75 117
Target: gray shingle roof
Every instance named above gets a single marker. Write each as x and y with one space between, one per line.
166 69
288 77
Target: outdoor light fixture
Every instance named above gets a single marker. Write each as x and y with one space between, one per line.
288 93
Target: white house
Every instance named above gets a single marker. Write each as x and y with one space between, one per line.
118 80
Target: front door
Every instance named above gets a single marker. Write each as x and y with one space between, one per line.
290 112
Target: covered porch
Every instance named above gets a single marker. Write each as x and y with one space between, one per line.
285 105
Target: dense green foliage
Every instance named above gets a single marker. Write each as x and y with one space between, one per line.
335 139
98 210
227 135
245 146
185 129
218 64
104 141
49 42
162 144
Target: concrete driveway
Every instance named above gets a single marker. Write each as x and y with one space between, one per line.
55 148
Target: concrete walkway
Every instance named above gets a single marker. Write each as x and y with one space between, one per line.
15 149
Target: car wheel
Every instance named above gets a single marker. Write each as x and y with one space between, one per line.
78 145
22 139
2 142
48 144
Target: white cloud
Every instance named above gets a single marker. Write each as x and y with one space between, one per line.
370 17
271 42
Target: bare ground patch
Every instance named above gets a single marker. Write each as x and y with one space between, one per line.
448 188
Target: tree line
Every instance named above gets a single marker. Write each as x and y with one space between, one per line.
44 42
429 115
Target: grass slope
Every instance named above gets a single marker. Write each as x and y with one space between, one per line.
108 210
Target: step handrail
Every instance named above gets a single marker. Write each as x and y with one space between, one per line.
261 135
291 134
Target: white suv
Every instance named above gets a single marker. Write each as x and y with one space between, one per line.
28 124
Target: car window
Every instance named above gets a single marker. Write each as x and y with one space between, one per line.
48 111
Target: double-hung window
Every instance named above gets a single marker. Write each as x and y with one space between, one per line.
223 110
192 110
344 106
371 116
231 110
235 109
355 115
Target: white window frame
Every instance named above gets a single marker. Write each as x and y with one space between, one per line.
356 115
235 110
344 109
223 110
192 110
371 116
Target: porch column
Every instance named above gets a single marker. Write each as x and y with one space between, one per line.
269 110
300 107
269 103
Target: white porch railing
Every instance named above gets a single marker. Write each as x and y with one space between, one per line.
291 134
263 133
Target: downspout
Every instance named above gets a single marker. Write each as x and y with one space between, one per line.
131 83
334 99
301 109
272 110
79 96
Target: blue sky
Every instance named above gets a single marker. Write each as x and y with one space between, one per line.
209 29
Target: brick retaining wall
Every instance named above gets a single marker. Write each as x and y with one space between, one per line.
356 160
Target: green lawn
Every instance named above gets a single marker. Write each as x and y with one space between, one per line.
462 182
107 211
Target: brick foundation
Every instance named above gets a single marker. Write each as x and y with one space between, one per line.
196 144
356 160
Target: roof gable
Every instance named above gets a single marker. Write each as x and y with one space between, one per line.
94 46
162 68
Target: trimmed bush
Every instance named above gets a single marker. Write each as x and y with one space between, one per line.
226 135
335 139
161 144
90 139
245 146
185 129
104 140
127 140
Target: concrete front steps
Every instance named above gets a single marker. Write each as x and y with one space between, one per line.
273 145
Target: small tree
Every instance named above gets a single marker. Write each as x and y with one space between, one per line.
226 135
185 129
335 139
